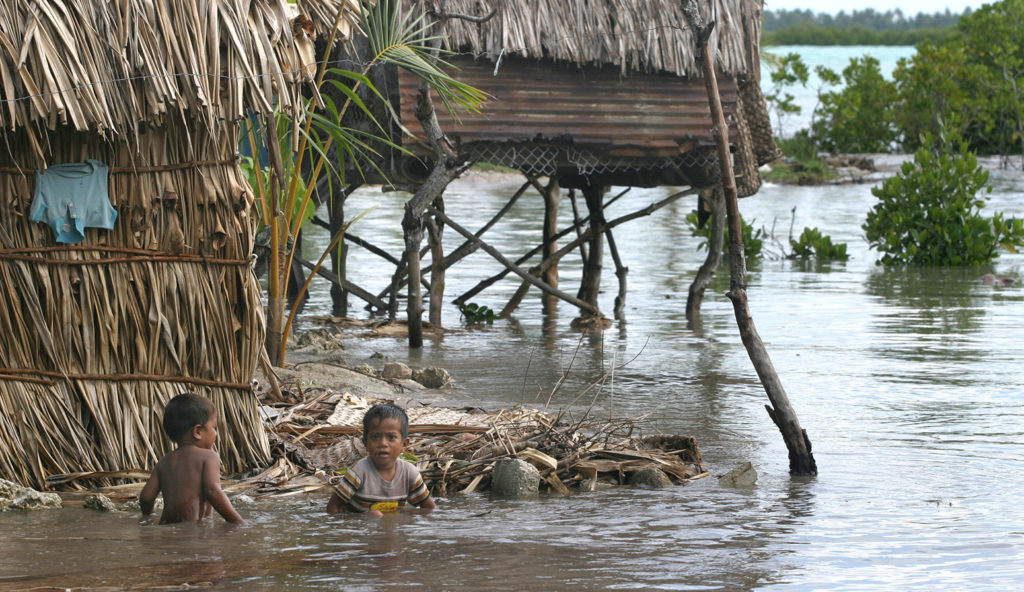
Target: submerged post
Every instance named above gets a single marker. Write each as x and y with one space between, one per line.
801 461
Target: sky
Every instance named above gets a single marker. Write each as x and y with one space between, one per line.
909 7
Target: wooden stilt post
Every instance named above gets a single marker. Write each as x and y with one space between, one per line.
412 226
526 275
435 232
552 194
469 247
339 257
298 276
590 284
801 461
577 223
620 272
392 291
714 198
348 286
562 252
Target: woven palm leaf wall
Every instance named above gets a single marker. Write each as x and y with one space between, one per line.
96 337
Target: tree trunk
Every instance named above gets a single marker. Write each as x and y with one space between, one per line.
707 270
801 461
275 341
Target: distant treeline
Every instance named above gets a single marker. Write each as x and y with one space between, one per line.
861 27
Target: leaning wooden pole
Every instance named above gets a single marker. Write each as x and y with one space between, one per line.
801 461
707 270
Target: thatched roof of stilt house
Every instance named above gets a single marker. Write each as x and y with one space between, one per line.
607 88
96 336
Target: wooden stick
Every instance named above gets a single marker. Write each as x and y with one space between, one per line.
711 262
801 461
515 268
347 285
484 284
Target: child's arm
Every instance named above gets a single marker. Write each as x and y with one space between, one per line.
147 497
335 504
419 495
214 494
344 490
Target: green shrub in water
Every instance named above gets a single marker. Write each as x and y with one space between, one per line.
476 314
813 244
753 239
929 214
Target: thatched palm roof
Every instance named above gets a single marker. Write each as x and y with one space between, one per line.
115 66
643 35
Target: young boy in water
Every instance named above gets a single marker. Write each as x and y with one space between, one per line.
381 482
189 477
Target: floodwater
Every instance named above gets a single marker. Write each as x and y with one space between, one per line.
910 384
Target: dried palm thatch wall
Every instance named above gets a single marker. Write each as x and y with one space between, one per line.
96 337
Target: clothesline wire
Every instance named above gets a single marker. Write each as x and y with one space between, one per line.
329 63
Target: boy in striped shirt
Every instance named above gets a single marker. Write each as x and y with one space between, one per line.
381 482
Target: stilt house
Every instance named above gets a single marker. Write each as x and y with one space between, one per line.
587 94
604 92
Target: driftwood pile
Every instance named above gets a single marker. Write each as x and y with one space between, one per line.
456 449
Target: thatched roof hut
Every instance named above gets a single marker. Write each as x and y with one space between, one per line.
97 335
608 89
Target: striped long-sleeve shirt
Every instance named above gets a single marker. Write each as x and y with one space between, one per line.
363 489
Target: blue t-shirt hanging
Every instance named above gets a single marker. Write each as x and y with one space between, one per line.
72 197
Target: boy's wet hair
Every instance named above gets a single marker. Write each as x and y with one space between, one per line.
382 411
184 412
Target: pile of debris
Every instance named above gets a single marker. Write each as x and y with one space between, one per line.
315 429
457 450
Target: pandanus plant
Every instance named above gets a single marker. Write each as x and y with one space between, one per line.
299 149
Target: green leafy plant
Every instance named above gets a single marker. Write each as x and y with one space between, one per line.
976 74
477 314
858 118
929 213
753 239
813 244
786 71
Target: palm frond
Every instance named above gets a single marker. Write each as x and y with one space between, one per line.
403 40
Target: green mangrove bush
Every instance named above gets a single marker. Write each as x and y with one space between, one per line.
753 239
930 213
814 245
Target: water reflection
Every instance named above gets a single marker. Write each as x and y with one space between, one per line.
942 299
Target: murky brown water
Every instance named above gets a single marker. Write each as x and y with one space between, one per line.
910 384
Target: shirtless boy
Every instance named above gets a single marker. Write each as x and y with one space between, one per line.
381 482
189 477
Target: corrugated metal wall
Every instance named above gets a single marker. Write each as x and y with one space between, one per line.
639 117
